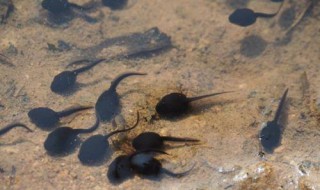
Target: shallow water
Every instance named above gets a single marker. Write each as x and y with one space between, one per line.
208 55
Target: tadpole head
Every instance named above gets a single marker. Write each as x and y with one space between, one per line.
61 142
64 82
171 105
115 4
44 118
145 164
120 170
270 136
146 141
243 17
93 151
56 6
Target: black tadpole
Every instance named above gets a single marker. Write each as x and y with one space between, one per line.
59 6
46 118
108 103
246 17
64 82
64 140
94 150
7 128
115 4
151 140
120 170
146 165
176 104
270 135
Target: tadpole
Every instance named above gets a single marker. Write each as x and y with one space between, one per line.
121 168
270 135
115 4
93 151
246 17
46 118
108 103
64 140
146 165
176 104
61 6
64 82
62 11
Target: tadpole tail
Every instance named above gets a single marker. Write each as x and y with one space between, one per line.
176 139
117 80
72 110
280 107
85 68
91 129
77 62
124 130
13 125
177 175
266 15
205 96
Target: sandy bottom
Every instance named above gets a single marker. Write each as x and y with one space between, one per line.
208 55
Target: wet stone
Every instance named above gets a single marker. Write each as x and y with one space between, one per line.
257 177
252 46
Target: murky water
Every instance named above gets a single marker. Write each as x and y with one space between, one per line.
188 46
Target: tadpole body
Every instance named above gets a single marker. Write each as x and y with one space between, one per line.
93 150
120 170
146 165
64 140
115 4
46 118
151 140
176 104
64 82
270 135
108 103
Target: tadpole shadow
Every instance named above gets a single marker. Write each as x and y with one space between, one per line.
252 46
156 178
204 107
283 121
73 90
19 141
149 54
102 162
